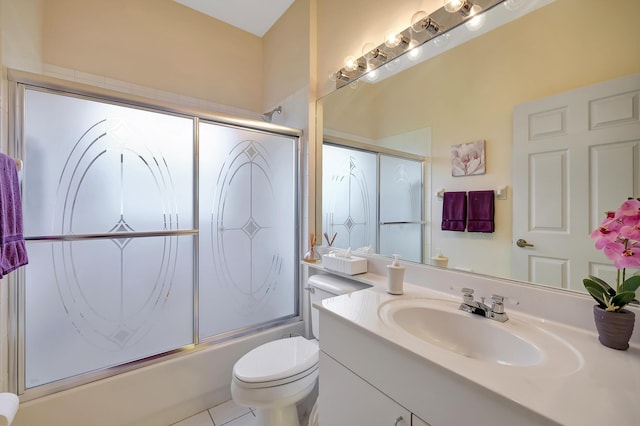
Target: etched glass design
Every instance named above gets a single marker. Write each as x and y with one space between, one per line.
95 167
247 199
103 169
109 196
373 200
98 305
349 198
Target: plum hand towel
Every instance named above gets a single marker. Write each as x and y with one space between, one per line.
13 252
454 211
481 211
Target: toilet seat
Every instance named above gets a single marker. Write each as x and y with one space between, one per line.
278 362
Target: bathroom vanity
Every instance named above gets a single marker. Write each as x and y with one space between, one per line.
417 359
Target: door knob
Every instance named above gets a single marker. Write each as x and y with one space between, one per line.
400 422
523 243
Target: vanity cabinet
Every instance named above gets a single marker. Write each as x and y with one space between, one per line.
352 401
417 421
367 380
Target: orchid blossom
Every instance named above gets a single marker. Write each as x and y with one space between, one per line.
618 236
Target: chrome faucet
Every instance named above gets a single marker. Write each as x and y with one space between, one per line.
494 312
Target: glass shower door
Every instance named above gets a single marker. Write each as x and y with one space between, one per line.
349 193
247 228
147 232
401 207
108 213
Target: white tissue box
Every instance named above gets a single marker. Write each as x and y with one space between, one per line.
347 265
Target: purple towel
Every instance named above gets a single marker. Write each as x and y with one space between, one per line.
480 210
13 252
454 211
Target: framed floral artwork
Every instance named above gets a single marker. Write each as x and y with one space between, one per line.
468 159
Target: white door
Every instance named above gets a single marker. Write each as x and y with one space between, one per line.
575 156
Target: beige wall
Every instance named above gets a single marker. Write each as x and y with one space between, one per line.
286 54
22 32
469 92
156 43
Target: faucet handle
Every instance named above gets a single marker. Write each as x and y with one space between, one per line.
467 294
497 308
497 304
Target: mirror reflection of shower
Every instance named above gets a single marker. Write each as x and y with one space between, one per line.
268 116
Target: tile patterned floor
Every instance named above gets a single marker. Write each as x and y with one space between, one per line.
228 414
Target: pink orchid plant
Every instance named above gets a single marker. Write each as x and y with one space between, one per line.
618 236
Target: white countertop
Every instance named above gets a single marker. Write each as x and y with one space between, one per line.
582 383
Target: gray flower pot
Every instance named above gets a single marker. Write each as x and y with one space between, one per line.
614 328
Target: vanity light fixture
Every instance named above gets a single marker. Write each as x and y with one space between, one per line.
421 21
340 75
371 52
415 53
475 23
463 7
373 75
351 63
397 39
432 28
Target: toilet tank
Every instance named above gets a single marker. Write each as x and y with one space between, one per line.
326 286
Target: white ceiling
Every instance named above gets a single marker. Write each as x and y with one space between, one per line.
253 16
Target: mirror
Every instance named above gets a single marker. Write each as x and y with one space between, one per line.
468 93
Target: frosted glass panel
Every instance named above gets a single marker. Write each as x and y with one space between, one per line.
402 239
401 207
93 167
400 189
247 228
93 302
100 303
349 195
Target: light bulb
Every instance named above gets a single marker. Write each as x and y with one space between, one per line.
417 21
373 75
392 40
396 39
475 9
368 51
350 63
415 53
452 6
475 23
463 7
513 4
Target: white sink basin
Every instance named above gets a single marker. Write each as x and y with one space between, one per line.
512 343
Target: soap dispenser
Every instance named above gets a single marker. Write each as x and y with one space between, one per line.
440 259
395 276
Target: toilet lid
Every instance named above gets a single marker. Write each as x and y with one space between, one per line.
277 360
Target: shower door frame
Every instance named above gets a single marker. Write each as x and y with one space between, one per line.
379 151
19 81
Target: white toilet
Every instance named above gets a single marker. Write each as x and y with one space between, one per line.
275 376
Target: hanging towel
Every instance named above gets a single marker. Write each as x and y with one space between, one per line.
454 211
481 210
13 252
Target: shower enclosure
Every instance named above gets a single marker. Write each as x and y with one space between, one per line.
373 200
150 230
